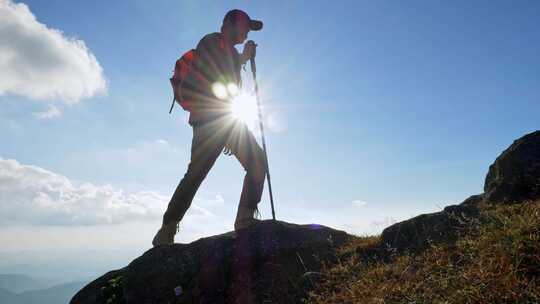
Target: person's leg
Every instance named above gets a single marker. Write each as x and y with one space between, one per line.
251 156
208 142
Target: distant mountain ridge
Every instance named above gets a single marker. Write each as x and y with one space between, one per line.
18 283
7 296
58 294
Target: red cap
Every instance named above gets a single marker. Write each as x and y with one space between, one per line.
233 16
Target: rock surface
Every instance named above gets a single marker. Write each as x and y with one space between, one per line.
515 174
417 233
269 262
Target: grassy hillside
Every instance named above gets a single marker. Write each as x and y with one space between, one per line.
497 261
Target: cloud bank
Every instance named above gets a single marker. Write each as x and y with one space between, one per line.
41 63
32 195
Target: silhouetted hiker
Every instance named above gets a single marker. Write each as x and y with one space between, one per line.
217 68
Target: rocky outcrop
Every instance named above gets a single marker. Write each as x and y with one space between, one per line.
513 177
417 233
474 200
269 262
515 174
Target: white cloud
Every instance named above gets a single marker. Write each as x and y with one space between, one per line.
358 203
32 195
219 199
42 63
51 112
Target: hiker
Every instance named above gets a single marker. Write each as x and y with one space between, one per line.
217 67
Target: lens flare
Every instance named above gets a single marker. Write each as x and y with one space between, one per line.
244 108
219 90
232 89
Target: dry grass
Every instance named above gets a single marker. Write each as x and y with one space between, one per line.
498 261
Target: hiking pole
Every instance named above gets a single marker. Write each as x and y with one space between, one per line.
254 72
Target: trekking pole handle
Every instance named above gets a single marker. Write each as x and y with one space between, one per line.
250 45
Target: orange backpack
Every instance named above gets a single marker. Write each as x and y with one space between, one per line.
184 65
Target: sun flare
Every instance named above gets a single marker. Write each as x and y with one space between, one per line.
243 105
244 108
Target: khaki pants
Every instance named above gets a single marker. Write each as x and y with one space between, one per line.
209 140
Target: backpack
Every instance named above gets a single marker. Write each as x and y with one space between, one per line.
183 67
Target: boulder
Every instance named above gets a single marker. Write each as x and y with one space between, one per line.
515 174
269 262
474 200
417 233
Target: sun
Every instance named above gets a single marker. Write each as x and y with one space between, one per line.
243 105
244 108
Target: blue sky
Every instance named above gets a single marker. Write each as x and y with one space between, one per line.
377 111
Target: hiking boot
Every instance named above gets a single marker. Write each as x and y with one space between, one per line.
165 235
245 217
